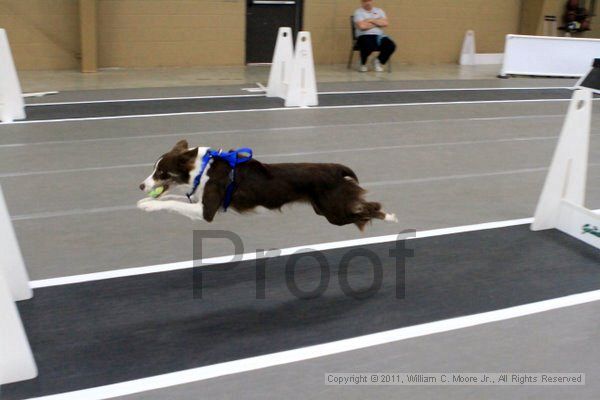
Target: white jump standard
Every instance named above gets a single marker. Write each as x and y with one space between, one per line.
16 359
12 106
562 202
281 66
292 76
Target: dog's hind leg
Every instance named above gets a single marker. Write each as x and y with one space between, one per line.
316 208
345 205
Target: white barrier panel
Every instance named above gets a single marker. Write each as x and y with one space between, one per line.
469 56
548 55
302 90
16 359
281 67
580 223
12 266
12 105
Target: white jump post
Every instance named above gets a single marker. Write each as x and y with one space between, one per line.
469 55
302 91
281 66
16 359
12 265
562 202
12 106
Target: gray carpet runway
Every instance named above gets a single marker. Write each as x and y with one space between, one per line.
558 340
108 331
174 106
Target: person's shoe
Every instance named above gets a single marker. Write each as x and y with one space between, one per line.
377 65
363 68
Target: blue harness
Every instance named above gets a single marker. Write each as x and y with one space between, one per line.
233 158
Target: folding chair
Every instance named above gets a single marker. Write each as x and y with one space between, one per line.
354 42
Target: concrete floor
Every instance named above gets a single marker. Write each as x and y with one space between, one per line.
113 78
434 166
71 188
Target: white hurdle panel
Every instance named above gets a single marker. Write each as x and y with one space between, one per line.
579 222
548 55
562 202
12 106
16 359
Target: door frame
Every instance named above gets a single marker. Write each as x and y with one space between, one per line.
299 20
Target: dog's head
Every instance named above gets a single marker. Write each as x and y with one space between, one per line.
172 168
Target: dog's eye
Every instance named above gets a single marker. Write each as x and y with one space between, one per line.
162 175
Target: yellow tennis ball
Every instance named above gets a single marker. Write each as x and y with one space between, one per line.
156 192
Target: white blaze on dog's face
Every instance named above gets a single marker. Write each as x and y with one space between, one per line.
172 169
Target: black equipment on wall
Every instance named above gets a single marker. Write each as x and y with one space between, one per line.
577 17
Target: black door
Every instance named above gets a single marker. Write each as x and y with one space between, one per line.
263 19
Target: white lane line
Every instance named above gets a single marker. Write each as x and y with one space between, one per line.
322 350
521 117
39 94
277 129
54 214
64 171
411 146
449 90
461 176
234 96
306 153
145 99
301 109
119 273
72 212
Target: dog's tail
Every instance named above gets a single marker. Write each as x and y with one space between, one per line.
347 173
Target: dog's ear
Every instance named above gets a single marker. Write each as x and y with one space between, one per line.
188 156
181 146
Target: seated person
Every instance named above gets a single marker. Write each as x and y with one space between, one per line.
369 22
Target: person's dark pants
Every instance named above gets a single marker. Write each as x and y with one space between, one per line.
368 44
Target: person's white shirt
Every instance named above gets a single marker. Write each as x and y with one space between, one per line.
361 14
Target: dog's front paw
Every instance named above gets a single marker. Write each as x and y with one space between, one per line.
144 200
149 206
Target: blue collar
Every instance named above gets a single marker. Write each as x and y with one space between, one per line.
233 158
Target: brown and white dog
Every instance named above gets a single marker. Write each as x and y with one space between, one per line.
331 189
